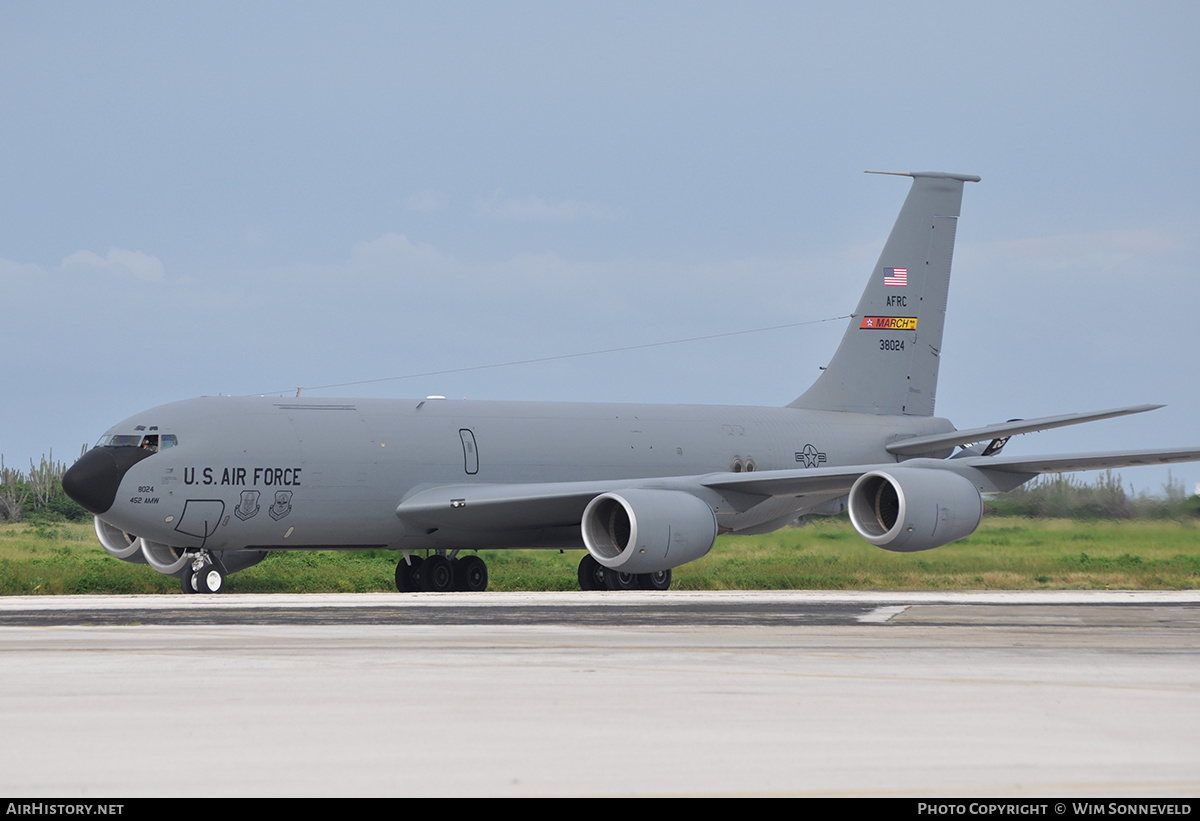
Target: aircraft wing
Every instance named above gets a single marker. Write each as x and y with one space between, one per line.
502 506
1014 470
795 482
561 504
1064 463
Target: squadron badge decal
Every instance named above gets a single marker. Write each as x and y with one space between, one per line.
248 505
282 506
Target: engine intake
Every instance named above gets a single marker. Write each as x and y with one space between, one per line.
910 509
165 558
646 531
118 543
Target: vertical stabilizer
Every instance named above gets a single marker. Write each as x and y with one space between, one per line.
887 362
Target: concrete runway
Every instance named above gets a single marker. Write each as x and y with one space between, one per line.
1039 694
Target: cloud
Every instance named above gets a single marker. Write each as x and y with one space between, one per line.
535 209
392 249
119 262
426 201
9 268
1096 252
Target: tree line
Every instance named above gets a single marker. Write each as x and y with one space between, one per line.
37 495
1067 496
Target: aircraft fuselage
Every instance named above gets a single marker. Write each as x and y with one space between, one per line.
270 473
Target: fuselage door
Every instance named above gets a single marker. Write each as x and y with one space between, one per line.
470 452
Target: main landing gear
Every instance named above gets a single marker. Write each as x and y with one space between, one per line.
438 573
595 576
441 574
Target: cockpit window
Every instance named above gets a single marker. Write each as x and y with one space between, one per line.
121 440
151 442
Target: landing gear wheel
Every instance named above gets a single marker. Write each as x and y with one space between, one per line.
208 580
186 581
437 574
470 574
591 574
615 580
408 576
654 581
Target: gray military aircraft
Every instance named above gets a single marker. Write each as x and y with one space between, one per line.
206 487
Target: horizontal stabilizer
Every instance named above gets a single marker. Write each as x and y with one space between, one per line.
937 175
922 445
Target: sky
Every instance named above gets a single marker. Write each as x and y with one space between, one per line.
251 197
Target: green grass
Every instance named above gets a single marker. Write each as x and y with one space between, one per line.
1006 553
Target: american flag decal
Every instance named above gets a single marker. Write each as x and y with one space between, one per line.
897 277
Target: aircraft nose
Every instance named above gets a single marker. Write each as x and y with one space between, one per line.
93 480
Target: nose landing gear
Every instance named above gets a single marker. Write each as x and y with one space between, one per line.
205 574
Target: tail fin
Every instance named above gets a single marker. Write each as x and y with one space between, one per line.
887 362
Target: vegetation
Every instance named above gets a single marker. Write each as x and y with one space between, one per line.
1066 496
1006 553
37 495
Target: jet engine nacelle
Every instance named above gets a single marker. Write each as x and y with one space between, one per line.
173 561
909 509
164 558
118 543
646 531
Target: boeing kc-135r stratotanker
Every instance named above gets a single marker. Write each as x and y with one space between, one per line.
206 487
